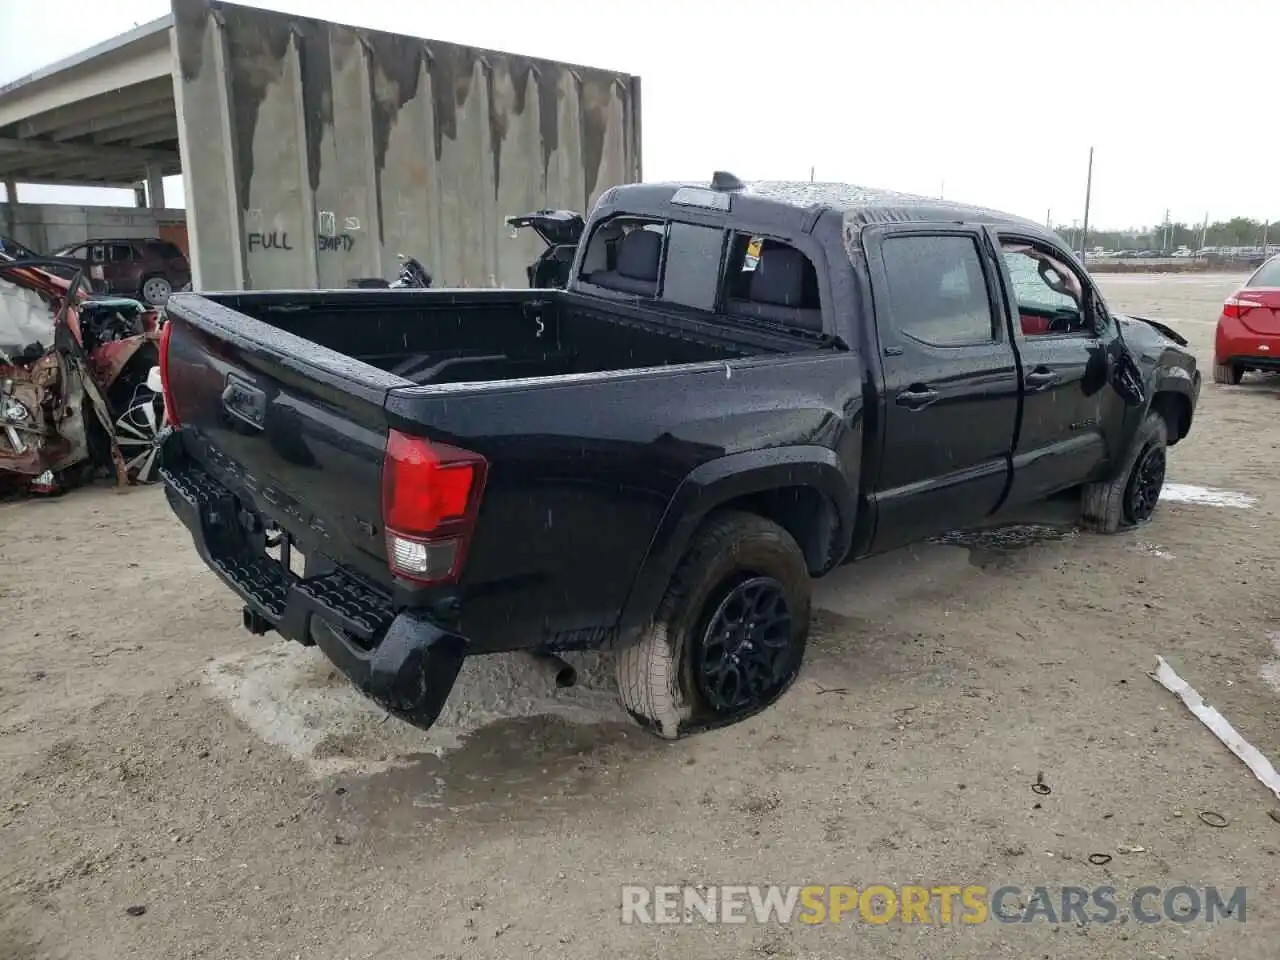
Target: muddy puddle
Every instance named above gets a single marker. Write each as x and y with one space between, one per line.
994 545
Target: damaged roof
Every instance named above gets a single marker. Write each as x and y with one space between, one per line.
860 206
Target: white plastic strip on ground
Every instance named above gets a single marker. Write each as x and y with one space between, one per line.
1209 496
1271 669
1216 722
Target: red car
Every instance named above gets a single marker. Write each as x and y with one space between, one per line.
1248 336
77 388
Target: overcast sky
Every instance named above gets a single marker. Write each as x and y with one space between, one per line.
997 99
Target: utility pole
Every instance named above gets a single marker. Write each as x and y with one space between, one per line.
1048 218
811 174
942 190
1266 228
1088 194
1204 230
1164 234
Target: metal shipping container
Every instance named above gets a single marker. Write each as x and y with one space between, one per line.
313 152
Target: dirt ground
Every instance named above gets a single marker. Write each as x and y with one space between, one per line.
153 754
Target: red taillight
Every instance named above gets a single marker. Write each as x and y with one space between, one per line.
1239 306
170 411
430 496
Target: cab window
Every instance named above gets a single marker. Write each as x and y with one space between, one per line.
1051 296
937 289
771 280
669 261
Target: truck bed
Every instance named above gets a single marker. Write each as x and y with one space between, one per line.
433 337
286 399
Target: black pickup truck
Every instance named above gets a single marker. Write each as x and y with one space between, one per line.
740 388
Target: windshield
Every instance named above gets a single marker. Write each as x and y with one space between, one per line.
13 248
25 318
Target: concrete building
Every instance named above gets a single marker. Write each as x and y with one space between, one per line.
312 153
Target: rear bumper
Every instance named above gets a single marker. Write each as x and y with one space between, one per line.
403 661
1235 343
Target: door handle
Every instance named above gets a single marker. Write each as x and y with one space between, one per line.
1041 377
916 396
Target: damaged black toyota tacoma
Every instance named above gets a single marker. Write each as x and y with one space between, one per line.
740 387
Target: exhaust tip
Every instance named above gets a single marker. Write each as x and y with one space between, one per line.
561 673
566 677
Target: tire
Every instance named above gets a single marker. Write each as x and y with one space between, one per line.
1228 373
1121 503
138 418
140 433
736 559
155 290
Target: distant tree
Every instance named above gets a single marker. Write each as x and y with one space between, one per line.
1236 232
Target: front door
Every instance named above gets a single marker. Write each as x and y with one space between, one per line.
1068 402
950 380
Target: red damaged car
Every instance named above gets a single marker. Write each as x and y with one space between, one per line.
77 389
1248 336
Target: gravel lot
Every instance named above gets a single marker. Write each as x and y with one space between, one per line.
153 754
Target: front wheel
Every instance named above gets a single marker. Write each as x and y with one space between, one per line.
1130 499
140 432
729 635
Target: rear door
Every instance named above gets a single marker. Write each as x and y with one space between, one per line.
950 380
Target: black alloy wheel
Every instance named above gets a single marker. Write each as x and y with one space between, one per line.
1145 485
744 655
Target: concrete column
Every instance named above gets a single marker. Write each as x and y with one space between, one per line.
155 186
11 191
140 196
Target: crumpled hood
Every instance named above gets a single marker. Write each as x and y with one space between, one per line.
1149 332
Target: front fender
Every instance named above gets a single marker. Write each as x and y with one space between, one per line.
718 482
1162 379
110 359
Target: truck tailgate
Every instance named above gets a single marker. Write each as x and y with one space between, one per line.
295 431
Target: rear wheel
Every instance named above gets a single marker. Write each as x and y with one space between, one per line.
729 635
156 290
1131 497
1228 373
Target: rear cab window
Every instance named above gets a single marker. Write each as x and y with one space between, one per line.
937 289
1267 275
771 280
712 270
